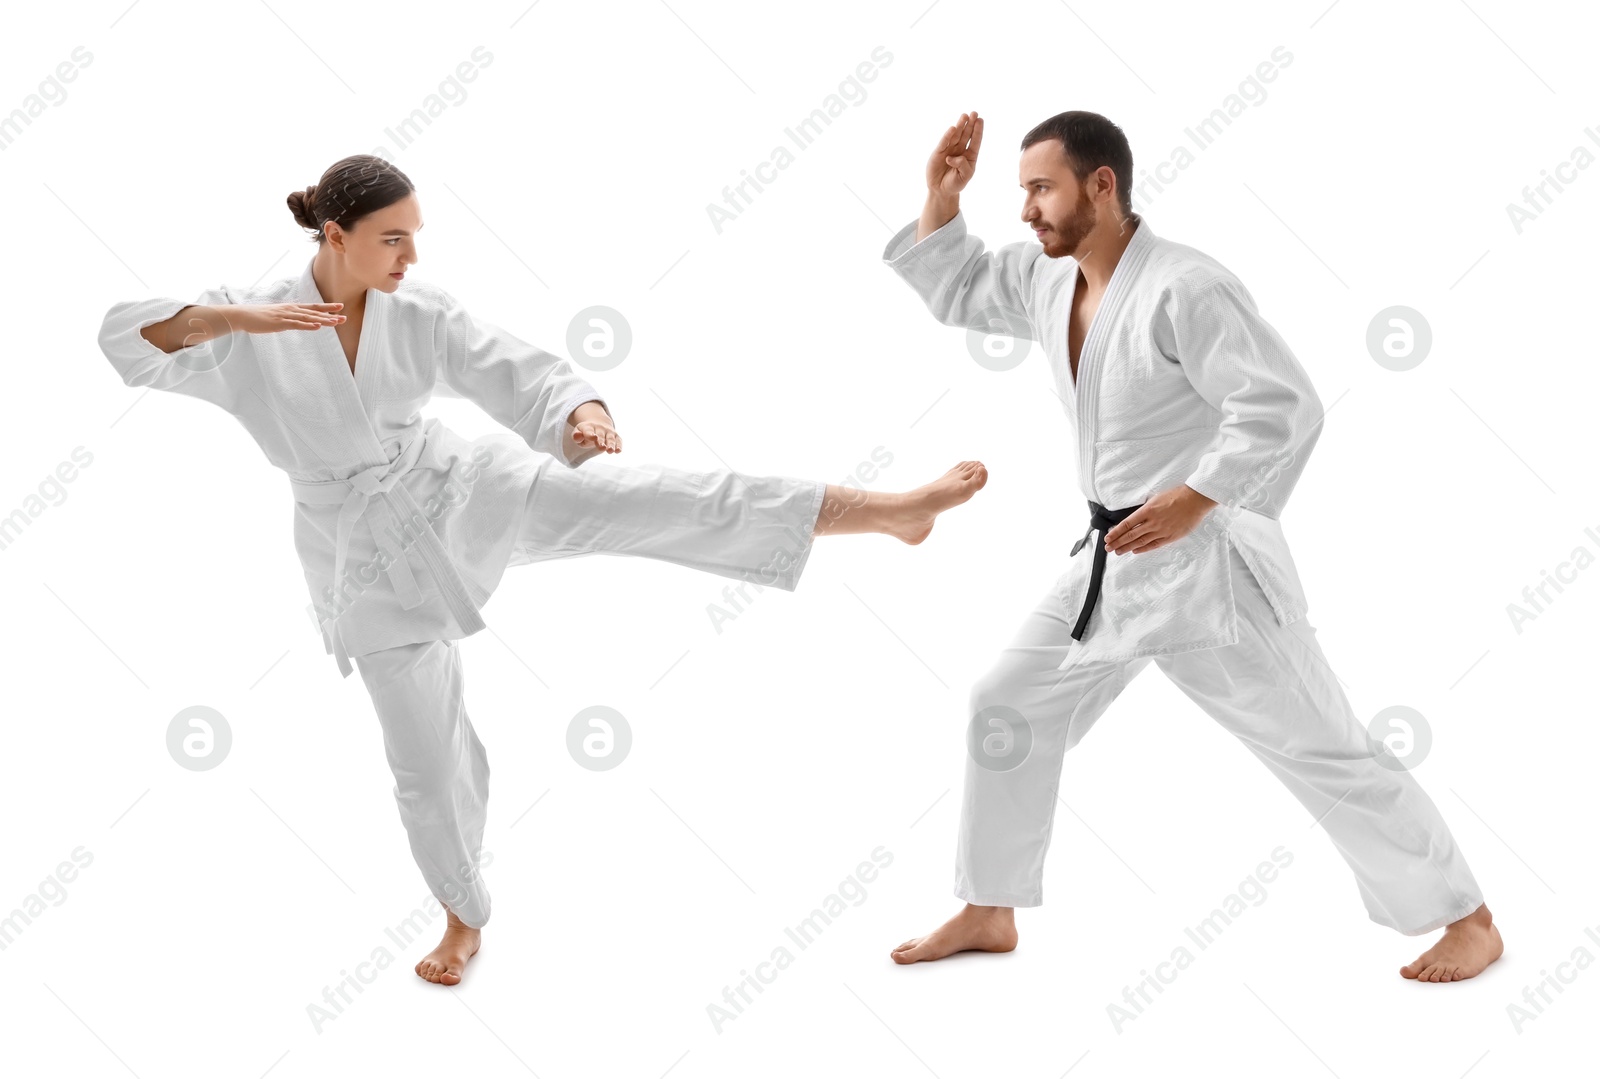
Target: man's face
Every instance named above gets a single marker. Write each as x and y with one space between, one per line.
1056 207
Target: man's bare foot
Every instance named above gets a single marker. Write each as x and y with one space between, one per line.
1469 944
980 929
921 506
446 962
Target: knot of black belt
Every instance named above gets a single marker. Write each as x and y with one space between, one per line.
1100 519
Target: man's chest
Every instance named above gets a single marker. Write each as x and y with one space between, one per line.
1080 318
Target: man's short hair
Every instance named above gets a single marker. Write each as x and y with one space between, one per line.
1089 141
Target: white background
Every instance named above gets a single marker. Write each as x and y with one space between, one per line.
772 758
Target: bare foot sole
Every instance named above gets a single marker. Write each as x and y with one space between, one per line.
445 963
925 503
1468 946
973 929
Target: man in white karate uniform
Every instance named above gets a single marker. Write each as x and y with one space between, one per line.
1193 422
404 528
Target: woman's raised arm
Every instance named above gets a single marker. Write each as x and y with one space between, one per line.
199 322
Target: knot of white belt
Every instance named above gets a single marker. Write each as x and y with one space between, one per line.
358 494
378 494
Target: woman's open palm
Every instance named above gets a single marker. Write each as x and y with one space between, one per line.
273 317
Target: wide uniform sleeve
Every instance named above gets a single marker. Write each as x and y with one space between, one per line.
1243 368
964 285
524 388
218 370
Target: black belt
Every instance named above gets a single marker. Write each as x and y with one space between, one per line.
1102 519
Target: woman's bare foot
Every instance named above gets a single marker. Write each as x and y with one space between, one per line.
908 515
981 929
446 962
931 499
1469 944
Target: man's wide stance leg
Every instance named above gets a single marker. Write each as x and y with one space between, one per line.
1275 692
1023 716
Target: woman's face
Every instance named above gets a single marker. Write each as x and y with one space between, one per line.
382 244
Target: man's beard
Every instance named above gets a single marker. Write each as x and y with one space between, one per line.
1065 241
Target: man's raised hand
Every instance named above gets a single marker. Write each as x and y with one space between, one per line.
954 161
956 157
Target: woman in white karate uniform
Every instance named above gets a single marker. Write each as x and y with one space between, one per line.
404 528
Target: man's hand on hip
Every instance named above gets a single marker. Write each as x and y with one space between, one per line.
1165 518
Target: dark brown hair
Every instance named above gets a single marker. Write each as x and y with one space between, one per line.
1089 141
351 188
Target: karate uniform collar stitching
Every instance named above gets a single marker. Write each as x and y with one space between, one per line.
1086 388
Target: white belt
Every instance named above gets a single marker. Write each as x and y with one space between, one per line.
357 497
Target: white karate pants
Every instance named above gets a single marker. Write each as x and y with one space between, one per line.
1274 691
755 528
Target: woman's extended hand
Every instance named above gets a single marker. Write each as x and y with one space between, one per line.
272 317
196 323
591 426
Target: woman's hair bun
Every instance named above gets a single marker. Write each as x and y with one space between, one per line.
301 204
348 191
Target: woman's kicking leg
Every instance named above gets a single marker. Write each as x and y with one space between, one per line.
905 515
753 528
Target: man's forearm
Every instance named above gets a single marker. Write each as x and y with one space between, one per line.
935 213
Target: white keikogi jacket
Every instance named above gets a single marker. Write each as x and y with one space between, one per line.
1180 381
417 523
